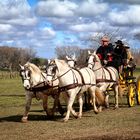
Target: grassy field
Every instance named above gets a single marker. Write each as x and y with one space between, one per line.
122 124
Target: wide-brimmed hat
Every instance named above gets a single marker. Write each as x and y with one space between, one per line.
105 38
119 42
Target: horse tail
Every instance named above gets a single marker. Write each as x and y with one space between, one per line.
100 97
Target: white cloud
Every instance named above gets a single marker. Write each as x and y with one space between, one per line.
56 8
127 17
10 9
123 1
5 28
91 8
26 21
47 31
85 27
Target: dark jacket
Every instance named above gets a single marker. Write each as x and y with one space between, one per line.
120 55
103 52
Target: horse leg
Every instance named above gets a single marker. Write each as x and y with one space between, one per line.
92 92
45 104
81 105
116 91
57 103
29 97
106 100
72 96
60 109
103 89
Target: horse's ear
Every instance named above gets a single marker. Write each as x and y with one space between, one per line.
22 67
94 52
89 52
49 61
74 57
67 57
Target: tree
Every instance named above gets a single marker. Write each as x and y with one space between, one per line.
11 57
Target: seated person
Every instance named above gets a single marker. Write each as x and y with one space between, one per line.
119 56
131 65
105 51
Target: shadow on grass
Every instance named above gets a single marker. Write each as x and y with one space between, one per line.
17 118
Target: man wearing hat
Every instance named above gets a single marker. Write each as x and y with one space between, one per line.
105 51
120 55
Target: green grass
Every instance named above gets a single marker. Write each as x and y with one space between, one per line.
123 123
11 87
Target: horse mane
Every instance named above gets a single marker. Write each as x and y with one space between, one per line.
63 62
96 56
32 67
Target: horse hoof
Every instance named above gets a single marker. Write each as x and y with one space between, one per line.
99 110
116 107
65 120
79 116
96 112
24 120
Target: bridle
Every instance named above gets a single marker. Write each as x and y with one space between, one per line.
25 77
28 78
71 60
93 64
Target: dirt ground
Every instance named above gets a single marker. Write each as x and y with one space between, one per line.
120 124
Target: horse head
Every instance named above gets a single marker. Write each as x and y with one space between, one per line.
71 60
25 74
31 75
51 69
93 60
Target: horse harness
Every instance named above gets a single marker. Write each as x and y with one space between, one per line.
103 79
74 85
40 86
106 80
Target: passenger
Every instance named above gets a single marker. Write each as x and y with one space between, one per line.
120 56
131 65
105 51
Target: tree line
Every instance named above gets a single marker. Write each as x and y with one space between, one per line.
82 54
11 57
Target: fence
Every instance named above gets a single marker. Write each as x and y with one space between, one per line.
9 75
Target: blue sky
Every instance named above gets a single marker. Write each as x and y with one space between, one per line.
46 24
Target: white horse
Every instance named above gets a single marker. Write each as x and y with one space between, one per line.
106 77
75 82
35 84
71 60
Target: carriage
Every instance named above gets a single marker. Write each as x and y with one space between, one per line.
80 80
130 86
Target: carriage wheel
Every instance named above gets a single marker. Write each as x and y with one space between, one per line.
138 91
131 95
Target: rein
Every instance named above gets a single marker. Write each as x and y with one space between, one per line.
102 80
74 85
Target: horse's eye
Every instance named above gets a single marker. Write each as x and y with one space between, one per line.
54 69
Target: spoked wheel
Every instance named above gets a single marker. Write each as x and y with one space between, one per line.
138 91
131 95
